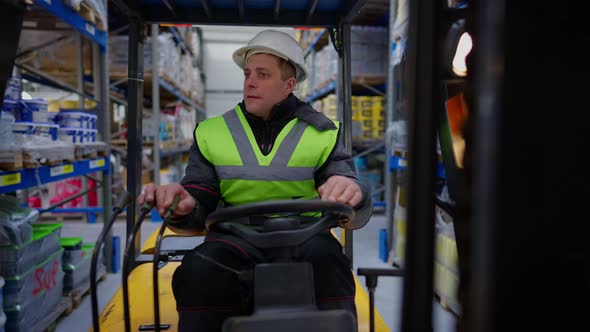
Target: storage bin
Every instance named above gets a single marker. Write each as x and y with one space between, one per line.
16 260
52 117
73 119
10 106
88 135
73 252
76 275
23 318
33 110
76 119
92 119
48 130
71 135
23 289
12 89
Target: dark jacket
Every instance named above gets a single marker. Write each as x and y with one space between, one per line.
202 183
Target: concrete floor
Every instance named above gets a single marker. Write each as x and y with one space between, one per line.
366 254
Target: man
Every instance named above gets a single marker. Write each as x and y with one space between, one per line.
271 146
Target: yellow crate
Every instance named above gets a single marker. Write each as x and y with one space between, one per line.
378 133
356 108
378 107
366 107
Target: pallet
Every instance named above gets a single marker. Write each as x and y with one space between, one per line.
11 163
32 164
91 15
77 295
49 322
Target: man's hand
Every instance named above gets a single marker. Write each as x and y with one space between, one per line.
342 190
164 195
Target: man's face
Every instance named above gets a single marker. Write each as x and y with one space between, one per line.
263 85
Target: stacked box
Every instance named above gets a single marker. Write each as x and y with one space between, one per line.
30 297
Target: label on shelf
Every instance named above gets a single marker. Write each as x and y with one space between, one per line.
403 163
61 170
90 29
96 163
10 179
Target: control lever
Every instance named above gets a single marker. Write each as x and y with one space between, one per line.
146 208
167 216
124 200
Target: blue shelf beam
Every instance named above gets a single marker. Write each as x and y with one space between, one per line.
173 90
397 163
180 41
379 204
314 42
11 181
330 87
71 17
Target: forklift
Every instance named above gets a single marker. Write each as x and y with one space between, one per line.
283 289
520 235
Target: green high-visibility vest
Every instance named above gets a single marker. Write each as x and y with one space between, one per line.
246 175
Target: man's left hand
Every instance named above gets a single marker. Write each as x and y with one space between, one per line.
341 189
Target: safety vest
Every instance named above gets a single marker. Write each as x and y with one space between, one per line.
246 175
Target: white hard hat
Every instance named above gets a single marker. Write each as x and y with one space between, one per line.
276 43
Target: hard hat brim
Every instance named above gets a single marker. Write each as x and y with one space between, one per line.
239 58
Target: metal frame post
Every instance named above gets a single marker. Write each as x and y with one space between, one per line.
134 120
156 102
102 91
425 100
390 176
344 94
12 18
82 101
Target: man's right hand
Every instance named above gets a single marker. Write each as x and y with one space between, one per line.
164 195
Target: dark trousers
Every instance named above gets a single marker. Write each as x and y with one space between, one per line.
207 294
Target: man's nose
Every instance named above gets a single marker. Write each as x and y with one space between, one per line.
251 82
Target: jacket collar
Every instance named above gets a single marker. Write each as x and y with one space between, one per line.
289 108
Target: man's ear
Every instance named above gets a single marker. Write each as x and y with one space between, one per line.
291 83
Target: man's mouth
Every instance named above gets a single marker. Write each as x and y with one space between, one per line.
253 97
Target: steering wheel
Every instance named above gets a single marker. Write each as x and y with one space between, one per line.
280 223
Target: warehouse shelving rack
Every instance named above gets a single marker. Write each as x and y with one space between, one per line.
51 15
162 89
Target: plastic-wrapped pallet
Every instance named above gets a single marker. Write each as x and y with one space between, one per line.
15 222
30 297
369 51
11 156
17 260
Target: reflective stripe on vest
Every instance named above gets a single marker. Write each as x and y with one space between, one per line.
246 175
